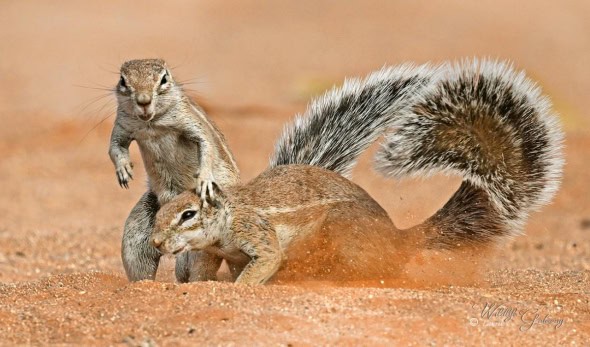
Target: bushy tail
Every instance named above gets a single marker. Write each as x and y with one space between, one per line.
491 125
339 126
483 121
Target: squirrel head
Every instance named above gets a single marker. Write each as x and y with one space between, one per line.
188 223
146 88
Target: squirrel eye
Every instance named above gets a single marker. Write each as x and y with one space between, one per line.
164 79
186 215
122 82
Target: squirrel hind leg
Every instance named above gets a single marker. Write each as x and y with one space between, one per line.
355 242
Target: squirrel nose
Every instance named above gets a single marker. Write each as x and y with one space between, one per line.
144 99
157 240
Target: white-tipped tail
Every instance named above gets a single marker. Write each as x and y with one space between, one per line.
493 126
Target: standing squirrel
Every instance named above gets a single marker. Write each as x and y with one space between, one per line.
180 147
482 120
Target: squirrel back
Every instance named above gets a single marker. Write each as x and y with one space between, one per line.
482 120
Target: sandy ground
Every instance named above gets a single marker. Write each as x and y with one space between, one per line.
61 211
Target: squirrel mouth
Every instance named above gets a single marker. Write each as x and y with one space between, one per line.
146 117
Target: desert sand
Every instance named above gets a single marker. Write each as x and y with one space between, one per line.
253 67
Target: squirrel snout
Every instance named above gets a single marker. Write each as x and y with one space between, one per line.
144 99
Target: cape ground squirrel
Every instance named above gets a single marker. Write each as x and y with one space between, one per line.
181 149
481 120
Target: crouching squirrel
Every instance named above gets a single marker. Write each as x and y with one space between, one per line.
482 120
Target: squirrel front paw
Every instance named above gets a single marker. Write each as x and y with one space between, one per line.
124 173
205 186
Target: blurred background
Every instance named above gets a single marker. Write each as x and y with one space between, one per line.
253 65
255 53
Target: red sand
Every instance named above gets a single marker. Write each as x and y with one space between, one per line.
62 210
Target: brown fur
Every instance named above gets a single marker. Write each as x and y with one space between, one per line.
302 221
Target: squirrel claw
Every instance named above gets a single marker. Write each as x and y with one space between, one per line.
205 190
124 174
122 182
